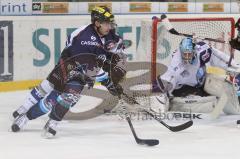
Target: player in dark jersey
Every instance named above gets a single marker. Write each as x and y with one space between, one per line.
235 43
89 50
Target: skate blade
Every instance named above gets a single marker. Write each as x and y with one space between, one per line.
47 135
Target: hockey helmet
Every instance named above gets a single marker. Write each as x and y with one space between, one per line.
101 14
187 50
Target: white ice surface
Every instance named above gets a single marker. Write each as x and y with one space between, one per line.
110 138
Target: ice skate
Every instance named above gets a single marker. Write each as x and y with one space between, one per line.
50 128
20 121
20 110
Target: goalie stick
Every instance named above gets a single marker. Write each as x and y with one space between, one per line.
148 142
172 128
172 30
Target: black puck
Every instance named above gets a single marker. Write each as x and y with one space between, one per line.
238 121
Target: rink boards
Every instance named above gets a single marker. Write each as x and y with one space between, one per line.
31 45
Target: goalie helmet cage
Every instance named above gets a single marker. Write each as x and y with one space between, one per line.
162 40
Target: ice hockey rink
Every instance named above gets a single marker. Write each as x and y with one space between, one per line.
108 137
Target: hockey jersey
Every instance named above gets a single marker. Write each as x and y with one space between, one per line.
83 46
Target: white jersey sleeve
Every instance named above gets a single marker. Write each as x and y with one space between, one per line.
221 59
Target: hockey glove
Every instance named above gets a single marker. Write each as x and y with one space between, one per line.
78 75
101 59
114 89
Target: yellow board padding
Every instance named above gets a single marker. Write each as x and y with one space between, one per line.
18 85
21 85
216 70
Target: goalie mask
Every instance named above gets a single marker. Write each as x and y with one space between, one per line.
187 50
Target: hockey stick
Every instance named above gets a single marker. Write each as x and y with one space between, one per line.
172 128
148 142
172 30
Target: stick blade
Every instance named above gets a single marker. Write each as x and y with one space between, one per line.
148 142
181 127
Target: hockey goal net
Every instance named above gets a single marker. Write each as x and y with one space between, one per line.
157 44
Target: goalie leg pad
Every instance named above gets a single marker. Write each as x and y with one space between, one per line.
194 103
227 93
232 107
159 104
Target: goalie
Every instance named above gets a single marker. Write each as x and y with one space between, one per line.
188 86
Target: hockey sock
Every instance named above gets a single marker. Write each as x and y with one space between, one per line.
36 95
37 110
58 112
43 106
33 98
